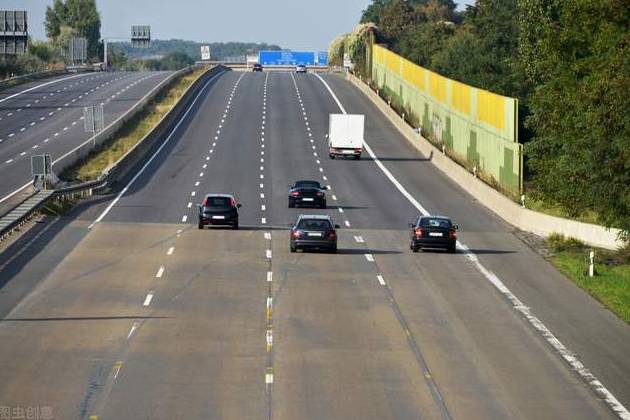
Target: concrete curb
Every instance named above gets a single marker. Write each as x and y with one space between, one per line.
522 218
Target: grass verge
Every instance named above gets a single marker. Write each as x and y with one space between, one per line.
611 283
131 133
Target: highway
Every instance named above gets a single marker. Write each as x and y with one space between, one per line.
46 116
123 309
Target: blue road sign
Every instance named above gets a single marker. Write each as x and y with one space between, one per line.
292 58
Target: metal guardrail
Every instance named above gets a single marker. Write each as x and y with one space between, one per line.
112 176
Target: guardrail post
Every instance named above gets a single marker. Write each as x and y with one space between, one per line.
591 266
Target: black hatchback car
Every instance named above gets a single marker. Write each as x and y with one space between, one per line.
433 232
313 232
219 210
307 193
257 67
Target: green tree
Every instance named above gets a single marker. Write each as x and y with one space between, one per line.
176 60
576 53
80 15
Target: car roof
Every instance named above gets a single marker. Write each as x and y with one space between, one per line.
220 195
307 180
314 217
435 217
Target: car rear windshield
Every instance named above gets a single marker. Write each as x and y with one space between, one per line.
311 224
435 222
217 202
307 184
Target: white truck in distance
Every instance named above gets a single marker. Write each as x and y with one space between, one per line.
345 135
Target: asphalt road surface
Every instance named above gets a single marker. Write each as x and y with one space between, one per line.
123 309
47 116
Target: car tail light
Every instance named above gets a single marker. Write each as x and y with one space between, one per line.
232 202
320 194
358 150
419 232
204 202
295 193
452 233
296 234
332 234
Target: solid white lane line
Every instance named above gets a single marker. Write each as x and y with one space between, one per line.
40 86
160 272
170 251
381 280
573 361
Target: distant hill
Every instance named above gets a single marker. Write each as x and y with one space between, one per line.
218 50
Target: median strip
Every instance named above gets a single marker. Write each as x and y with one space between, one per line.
132 132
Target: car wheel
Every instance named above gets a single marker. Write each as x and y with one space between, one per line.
331 156
292 248
323 205
452 249
333 250
357 157
416 248
235 226
291 205
200 225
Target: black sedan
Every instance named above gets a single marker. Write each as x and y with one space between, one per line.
313 232
219 210
307 193
433 232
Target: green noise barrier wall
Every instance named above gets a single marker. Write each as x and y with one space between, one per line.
476 127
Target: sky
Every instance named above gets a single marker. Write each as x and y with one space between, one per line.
293 24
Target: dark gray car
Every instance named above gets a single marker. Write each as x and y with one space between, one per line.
433 232
219 210
313 232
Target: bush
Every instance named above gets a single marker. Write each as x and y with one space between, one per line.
560 243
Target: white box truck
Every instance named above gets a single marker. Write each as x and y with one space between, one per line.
345 135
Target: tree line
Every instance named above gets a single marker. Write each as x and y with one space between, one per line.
66 19
568 63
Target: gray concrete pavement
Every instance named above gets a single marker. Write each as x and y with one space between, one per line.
145 316
48 119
